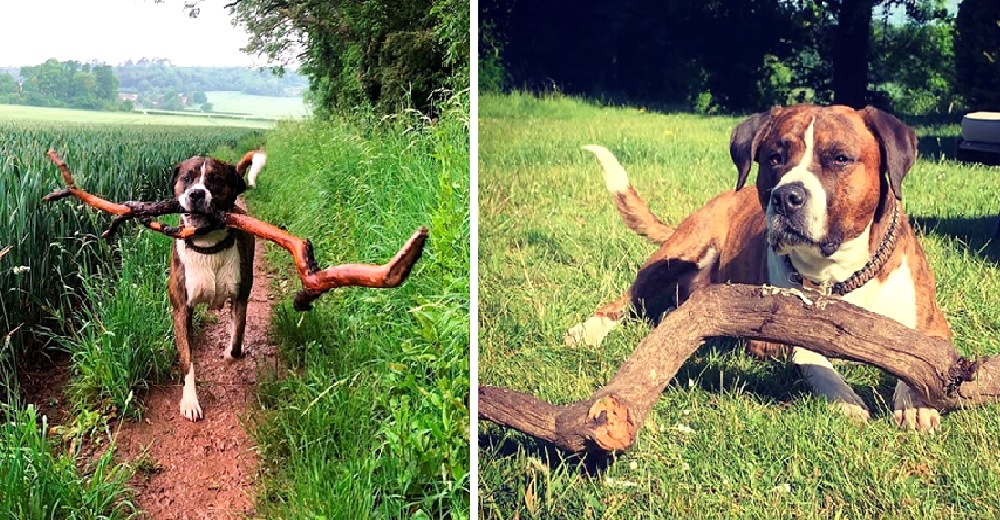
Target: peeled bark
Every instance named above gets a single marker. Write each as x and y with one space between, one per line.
315 281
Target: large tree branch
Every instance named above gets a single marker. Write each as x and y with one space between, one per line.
315 282
609 419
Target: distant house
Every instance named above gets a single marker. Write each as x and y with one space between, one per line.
128 96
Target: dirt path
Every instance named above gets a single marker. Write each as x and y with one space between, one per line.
205 470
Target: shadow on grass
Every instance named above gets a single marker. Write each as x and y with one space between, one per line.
976 232
587 464
937 146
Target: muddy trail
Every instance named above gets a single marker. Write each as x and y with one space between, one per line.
207 469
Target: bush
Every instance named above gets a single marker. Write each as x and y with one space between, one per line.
977 53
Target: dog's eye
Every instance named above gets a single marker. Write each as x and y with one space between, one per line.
841 159
774 159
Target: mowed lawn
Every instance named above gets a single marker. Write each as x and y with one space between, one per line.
732 436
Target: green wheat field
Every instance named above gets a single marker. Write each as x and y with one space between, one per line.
732 436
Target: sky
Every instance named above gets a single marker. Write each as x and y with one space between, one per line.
112 31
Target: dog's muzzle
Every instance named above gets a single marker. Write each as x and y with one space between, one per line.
196 199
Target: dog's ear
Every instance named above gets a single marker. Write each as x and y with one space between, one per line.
236 179
174 175
898 144
743 144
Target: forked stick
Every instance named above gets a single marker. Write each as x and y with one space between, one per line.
609 420
315 282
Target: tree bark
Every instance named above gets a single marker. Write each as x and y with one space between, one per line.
609 420
850 52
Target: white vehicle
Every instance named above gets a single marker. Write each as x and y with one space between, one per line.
980 141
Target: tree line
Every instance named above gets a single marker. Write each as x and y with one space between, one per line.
69 84
152 77
913 56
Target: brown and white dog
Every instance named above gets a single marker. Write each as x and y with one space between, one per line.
826 213
212 268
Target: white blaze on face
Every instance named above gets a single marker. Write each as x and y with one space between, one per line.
814 212
185 198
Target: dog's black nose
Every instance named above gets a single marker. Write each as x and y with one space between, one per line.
196 195
788 199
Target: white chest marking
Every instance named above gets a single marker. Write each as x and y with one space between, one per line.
815 209
895 297
210 279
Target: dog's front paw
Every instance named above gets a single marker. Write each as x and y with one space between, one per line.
852 411
590 332
911 413
190 408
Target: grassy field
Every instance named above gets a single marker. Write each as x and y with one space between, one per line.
372 420
731 437
267 106
70 115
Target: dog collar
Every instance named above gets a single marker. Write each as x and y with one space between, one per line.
861 276
219 246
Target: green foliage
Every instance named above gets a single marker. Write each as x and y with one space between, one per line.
718 56
67 84
367 54
914 64
373 419
153 78
35 483
977 53
122 341
731 436
492 75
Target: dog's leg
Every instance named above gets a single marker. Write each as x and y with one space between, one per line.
604 320
824 380
190 408
239 325
910 412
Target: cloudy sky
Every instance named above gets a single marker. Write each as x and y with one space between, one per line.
32 31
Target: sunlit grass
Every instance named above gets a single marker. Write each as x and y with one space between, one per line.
373 419
731 437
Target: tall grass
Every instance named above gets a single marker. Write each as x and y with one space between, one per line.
731 436
372 421
36 483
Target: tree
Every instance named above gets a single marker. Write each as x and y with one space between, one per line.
977 53
365 52
107 83
199 97
10 91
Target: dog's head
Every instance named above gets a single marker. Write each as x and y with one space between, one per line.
824 172
203 184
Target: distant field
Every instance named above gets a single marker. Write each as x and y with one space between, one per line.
24 113
234 102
